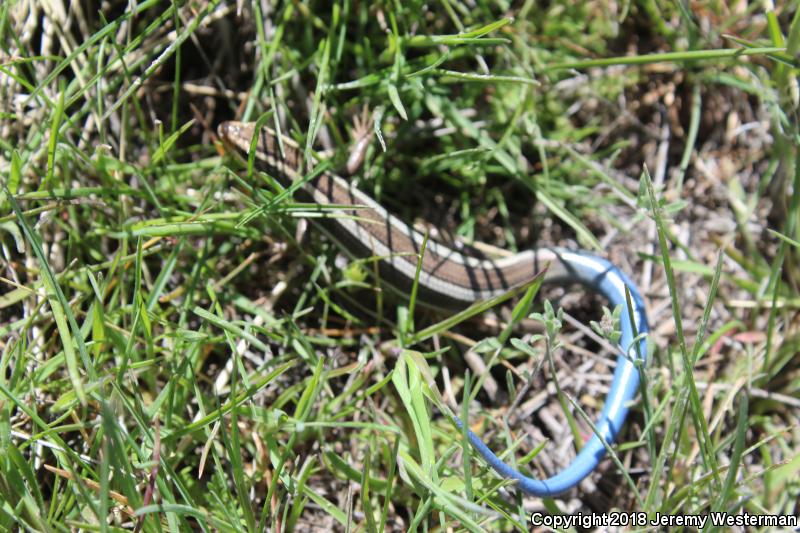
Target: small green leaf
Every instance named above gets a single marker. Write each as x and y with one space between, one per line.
394 97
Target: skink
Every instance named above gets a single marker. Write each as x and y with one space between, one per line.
450 279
